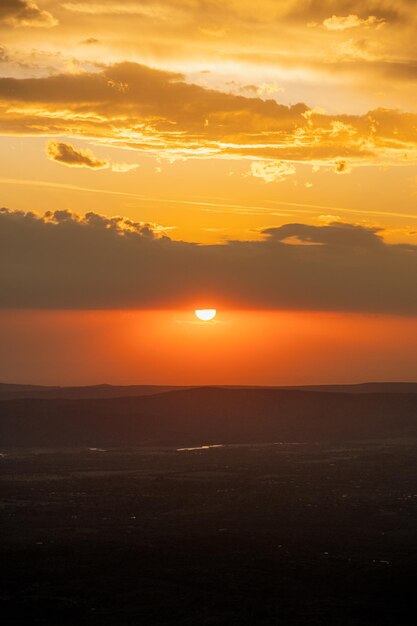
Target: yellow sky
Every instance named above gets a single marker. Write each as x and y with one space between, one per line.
212 119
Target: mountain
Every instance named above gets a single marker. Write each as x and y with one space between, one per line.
362 388
13 392
207 415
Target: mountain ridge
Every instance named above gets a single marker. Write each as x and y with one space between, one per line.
207 415
10 391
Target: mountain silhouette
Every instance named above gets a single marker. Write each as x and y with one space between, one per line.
14 391
208 415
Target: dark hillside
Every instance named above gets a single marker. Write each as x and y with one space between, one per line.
208 415
14 392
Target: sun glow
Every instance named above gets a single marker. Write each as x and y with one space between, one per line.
205 315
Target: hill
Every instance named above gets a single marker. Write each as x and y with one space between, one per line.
207 415
13 392
362 388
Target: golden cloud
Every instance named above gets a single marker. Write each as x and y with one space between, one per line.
134 106
272 171
351 21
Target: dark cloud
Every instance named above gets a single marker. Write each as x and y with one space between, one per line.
388 10
335 234
68 155
24 13
90 41
61 260
151 92
341 167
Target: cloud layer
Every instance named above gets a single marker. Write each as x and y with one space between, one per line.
156 111
340 45
61 260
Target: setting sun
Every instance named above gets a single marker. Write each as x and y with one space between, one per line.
205 315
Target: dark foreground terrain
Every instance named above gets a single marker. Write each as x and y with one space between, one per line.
286 534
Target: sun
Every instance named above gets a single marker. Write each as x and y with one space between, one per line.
205 315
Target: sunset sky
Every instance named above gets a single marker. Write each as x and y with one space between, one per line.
259 158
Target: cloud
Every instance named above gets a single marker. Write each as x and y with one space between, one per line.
4 55
25 13
339 23
272 171
110 8
141 108
260 33
153 10
338 234
233 11
341 167
90 41
319 10
123 167
66 154
62 260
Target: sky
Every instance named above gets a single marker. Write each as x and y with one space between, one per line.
259 158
